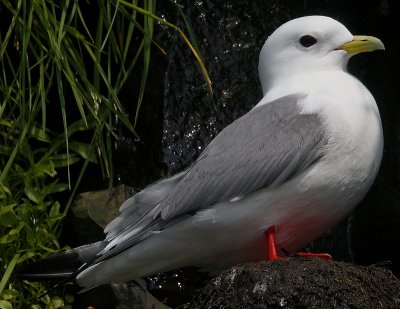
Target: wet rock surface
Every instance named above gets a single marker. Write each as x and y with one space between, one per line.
229 37
301 283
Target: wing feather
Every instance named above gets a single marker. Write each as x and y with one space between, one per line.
265 147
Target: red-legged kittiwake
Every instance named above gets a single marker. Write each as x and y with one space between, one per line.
298 162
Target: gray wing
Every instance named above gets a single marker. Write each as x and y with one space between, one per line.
266 147
135 209
135 221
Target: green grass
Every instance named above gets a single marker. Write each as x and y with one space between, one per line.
54 59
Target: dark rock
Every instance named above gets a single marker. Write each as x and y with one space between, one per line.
132 295
301 283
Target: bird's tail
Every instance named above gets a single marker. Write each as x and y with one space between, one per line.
63 266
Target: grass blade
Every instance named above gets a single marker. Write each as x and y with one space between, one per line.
8 272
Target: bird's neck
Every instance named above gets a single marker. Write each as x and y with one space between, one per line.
307 83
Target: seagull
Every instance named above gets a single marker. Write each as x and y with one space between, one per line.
269 183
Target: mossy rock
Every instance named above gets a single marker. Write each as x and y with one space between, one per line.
301 283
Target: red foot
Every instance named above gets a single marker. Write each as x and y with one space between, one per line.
271 245
270 234
325 256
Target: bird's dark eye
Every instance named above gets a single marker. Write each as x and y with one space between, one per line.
307 40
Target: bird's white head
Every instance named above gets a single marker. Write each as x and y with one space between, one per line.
309 44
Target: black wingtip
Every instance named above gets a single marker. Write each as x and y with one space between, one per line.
23 275
62 266
55 268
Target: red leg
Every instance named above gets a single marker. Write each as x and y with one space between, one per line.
270 235
271 245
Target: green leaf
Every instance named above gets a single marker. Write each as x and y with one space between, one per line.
33 194
5 304
43 205
6 239
8 219
10 294
69 298
45 168
5 189
6 123
26 256
16 230
55 188
5 209
55 302
62 160
24 212
7 274
84 150
30 237
39 134
55 210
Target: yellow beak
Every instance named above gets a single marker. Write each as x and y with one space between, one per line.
362 43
